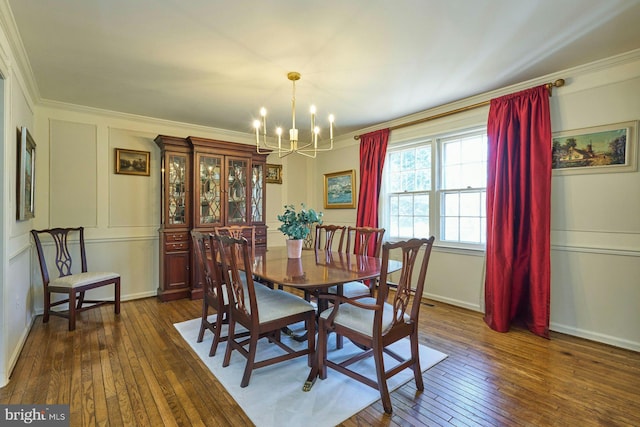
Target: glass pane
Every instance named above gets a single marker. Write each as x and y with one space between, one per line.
406 226
210 190
421 205
394 162
470 230
451 204
423 157
408 181
405 205
451 153
470 204
393 205
421 227
423 180
452 177
256 193
177 190
450 229
408 159
237 190
395 182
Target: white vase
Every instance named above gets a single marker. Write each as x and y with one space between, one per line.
294 248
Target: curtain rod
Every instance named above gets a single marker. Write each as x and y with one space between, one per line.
557 83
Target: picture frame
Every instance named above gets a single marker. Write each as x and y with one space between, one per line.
274 174
598 149
26 175
132 162
339 190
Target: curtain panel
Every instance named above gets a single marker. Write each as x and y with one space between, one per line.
518 274
373 150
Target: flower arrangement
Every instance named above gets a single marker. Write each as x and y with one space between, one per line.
297 225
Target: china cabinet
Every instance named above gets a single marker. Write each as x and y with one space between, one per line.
205 184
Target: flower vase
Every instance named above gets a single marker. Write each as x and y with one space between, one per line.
294 248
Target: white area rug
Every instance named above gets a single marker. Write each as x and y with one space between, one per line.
274 396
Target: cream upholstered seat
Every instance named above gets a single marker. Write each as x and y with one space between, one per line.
72 281
264 314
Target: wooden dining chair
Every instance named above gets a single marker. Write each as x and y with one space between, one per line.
362 241
325 234
71 280
373 324
239 231
262 314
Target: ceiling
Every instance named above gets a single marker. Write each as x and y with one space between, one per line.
215 63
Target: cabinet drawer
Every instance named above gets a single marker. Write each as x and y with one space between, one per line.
176 246
176 237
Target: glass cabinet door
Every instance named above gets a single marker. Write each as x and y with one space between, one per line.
176 189
257 188
237 172
208 189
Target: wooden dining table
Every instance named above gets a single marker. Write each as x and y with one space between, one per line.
314 271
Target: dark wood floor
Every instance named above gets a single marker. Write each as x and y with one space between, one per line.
136 370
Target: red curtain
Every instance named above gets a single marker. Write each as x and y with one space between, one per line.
373 150
518 276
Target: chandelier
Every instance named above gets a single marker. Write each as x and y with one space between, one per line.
307 148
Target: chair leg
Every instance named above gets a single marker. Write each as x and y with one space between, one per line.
321 349
203 319
216 334
47 306
415 354
251 357
116 301
382 379
80 300
230 342
72 310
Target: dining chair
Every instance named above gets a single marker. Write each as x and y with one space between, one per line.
239 231
373 324
71 281
361 241
262 314
325 234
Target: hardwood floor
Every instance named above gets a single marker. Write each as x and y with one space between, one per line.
137 370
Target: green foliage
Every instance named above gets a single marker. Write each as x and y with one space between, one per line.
297 225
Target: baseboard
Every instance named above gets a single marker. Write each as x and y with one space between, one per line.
595 336
451 301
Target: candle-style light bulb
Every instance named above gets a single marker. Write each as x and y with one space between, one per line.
331 120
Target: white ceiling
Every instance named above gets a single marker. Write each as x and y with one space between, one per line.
215 63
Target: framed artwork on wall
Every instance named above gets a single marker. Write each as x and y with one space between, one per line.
26 176
339 190
132 162
599 149
274 174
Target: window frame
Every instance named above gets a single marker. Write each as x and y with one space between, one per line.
436 192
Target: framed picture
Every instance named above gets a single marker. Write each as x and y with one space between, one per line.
26 176
339 190
274 174
600 149
132 162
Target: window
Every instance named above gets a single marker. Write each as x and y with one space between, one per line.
438 187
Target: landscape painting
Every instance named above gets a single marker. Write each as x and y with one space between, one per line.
339 190
597 149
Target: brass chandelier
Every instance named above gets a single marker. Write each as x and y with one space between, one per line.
308 148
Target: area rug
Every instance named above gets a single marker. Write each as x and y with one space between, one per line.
274 396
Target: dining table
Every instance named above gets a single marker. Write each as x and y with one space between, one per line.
315 271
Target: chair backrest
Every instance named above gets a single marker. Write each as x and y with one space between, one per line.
407 284
365 240
206 255
64 258
239 231
235 261
325 234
